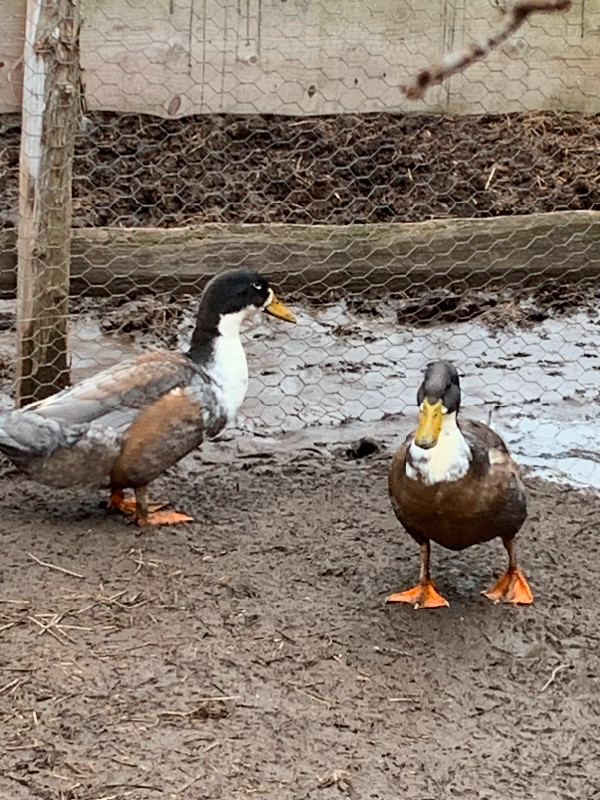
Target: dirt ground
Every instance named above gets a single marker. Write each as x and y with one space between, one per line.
251 654
133 170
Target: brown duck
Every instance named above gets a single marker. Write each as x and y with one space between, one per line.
456 484
126 425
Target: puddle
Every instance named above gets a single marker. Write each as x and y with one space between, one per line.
539 387
338 375
91 349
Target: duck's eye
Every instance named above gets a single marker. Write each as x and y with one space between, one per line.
258 286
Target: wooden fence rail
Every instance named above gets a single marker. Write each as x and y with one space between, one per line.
327 260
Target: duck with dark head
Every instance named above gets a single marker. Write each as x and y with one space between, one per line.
126 425
454 483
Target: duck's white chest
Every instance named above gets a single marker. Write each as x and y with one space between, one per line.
449 460
229 373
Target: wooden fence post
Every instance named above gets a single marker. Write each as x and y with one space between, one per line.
51 108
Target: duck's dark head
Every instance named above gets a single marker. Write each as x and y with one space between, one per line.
230 298
439 394
240 292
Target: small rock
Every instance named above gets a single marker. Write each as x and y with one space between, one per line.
363 447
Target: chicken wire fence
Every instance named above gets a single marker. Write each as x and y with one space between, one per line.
275 136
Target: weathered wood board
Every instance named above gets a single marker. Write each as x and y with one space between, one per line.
178 57
51 107
325 260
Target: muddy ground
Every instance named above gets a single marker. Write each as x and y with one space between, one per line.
134 170
250 653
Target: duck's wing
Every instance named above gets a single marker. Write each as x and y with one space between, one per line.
502 480
106 404
397 474
118 391
489 449
484 435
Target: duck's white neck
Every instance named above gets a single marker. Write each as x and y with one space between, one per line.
449 460
228 369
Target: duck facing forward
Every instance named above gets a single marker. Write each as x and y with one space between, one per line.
126 425
456 484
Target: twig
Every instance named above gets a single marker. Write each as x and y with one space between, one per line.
191 782
14 747
217 697
14 602
555 672
459 60
392 650
314 696
54 623
12 685
487 186
199 700
113 796
45 628
7 626
57 568
61 777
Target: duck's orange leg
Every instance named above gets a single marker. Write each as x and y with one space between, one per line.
145 515
118 502
512 587
424 594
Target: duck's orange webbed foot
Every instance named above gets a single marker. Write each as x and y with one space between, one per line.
161 517
512 587
423 595
128 505
118 502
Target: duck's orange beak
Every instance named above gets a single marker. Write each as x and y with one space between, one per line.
430 424
278 309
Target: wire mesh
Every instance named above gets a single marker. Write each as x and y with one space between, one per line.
276 137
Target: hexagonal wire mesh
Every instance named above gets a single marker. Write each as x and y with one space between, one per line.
276 137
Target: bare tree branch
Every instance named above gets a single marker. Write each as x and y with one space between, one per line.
460 59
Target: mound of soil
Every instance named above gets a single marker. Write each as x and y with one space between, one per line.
136 170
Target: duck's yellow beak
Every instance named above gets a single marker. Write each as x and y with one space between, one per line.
430 424
278 309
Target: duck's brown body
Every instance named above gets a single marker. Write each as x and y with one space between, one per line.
455 483
126 425
119 428
487 502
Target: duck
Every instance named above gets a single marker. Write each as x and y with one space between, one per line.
454 482
124 426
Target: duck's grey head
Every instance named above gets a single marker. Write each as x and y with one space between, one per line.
439 394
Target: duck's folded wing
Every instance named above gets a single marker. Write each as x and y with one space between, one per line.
102 406
484 435
118 393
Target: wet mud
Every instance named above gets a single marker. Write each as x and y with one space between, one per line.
250 653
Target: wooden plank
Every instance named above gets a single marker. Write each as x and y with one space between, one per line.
12 36
51 103
323 261
325 56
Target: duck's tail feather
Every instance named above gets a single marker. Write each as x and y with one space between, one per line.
25 436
